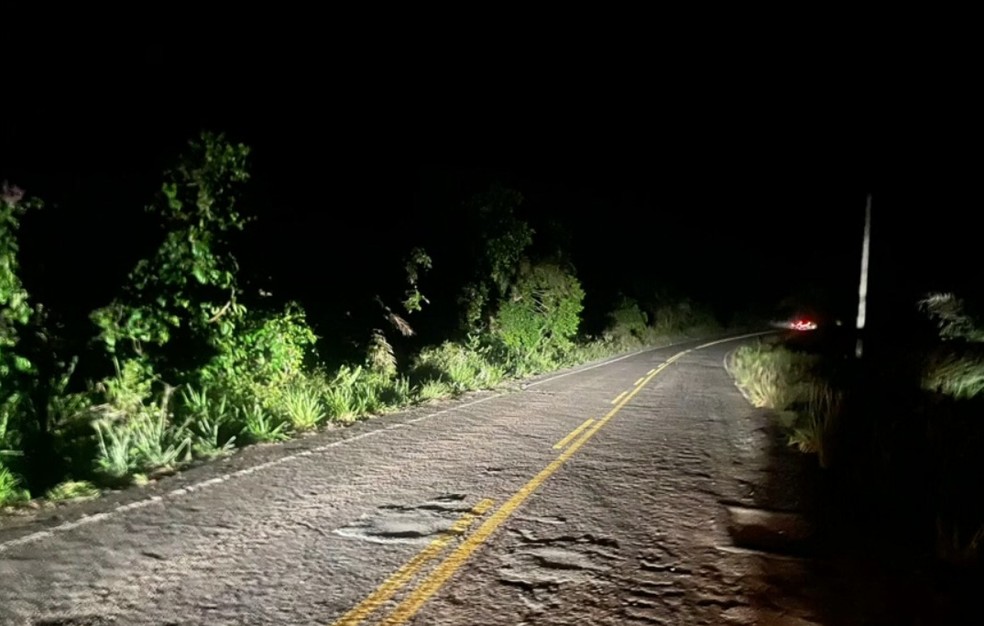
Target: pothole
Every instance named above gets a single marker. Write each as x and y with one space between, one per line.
453 502
546 562
408 523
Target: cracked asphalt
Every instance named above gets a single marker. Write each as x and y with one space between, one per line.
436 516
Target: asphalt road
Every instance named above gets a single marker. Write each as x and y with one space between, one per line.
595 497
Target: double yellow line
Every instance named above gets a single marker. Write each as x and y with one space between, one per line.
433 582
400 577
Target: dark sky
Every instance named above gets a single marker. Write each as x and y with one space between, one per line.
724 178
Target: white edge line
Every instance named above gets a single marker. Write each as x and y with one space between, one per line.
180 491
608 362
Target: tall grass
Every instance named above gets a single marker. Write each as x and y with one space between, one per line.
10 490
433 390
259 425
953 321
772 376
956 374
210 422
72 490
157 443
142 441
461 368
302 406
115 459
814 429
350 393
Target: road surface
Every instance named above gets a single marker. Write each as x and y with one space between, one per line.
603 495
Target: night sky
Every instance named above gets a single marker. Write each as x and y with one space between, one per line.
724 180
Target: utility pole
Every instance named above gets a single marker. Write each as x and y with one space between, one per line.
863 289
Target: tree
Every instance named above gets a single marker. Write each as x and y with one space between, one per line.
189 285
16 371
503 239
543 310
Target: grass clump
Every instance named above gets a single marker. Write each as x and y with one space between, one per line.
772 376
259 425
814 429
72 490
211 423
302 407
958 374
458 367
10 490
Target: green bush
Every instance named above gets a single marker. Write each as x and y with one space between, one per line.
188 287
16 312
502 239
266 355
628 322
681 317
460 368
541 316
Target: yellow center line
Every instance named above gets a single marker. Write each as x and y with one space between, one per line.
400 577
619 397
636 383
440 575
650 372
574 433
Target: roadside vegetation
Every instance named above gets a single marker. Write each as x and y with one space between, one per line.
189 366
898 434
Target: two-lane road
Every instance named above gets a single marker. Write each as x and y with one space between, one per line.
593 497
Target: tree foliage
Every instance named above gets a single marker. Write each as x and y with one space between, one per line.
189 283
267 351
628 319
503 239
15 307
16 311
543 310
418 263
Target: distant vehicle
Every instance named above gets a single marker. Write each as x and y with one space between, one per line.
796 320
806 318
815 330
800 324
